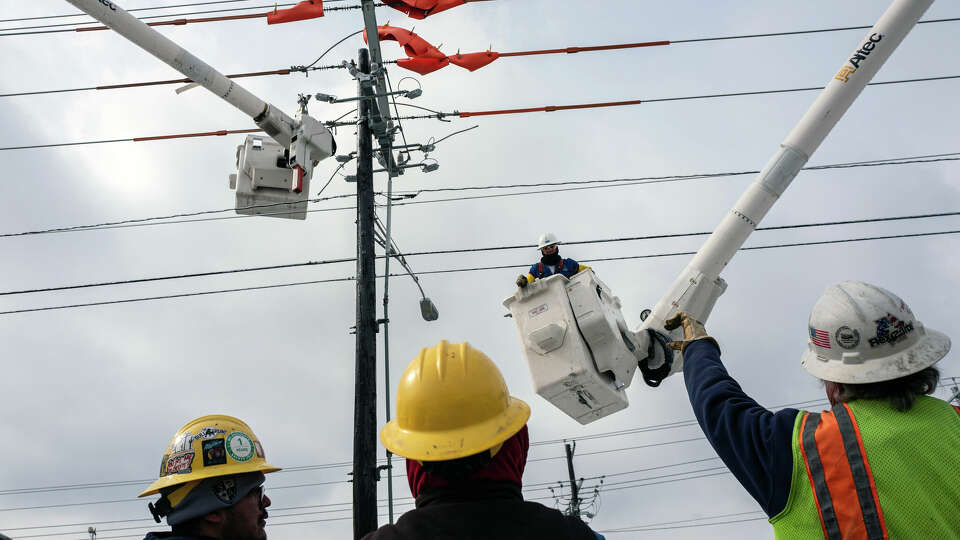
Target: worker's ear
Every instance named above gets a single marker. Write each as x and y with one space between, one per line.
217 517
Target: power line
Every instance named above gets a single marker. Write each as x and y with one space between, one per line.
718 516
184 276
799 32
283 71
654 527
554 108
459 270
78 26
218 133
455 251
565 50
590 184
628 484
343 464
441 115
81 14
170 216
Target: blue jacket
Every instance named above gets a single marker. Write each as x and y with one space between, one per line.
754 443
568 267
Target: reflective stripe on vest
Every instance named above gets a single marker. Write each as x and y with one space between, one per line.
840 475
957 408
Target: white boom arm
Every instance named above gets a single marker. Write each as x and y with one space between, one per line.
275 122
698 286
280 182
572 332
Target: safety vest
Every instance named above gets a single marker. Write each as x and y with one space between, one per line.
865 471
540 268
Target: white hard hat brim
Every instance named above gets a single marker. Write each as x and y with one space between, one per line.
931 347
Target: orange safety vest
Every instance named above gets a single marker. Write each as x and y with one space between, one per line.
843 486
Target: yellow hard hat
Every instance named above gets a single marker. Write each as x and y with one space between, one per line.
212 445
452 403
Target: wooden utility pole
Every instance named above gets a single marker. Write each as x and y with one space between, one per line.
365 399
574 509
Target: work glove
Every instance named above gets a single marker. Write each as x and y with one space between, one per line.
693 330
522 281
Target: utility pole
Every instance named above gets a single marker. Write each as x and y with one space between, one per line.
365 399
92 531
574 509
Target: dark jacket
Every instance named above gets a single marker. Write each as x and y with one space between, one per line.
485 511
170 536
754 443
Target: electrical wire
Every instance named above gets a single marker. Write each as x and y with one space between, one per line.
799 32
664 528
343 464
311 64
548 108
219 133
192 4
460 270
284 71
554 108
171 216
698 176
618 182
76 26
402 257
627 484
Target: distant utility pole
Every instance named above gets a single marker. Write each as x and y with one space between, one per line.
365 399
93 532
574 508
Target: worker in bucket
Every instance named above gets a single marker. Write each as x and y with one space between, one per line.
465 440
882 463
211 482
550 262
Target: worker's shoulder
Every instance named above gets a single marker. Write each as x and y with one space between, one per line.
386 532
472 520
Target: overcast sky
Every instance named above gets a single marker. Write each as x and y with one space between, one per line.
94 394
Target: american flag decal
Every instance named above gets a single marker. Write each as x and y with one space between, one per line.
820 338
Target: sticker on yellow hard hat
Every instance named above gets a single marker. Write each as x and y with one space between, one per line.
185 440
239 446
180 463
210 446
214 452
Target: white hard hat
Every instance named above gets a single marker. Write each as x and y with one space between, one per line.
547 239
859 333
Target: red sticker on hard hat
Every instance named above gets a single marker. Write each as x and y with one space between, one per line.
214 452
239 446
181 463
